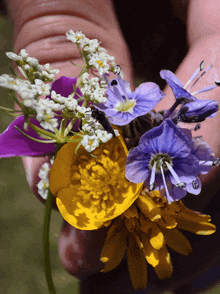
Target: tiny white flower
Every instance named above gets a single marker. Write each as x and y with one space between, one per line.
43 187
14 56
90 143
103 136
23 54
82 110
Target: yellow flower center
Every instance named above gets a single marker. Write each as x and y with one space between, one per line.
100 63
79 38
126 106
102 182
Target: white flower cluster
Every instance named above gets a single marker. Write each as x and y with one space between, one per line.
46 109
28 92
93 52
43 174
69 102
93 90
30 67
94 133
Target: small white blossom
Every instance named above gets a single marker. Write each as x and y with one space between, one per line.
71 103
117 134
14 56
91 46
23 54
87 129
45 109
7 81
42 88
77 37
82 110
57 97
43 174
103 136
49 124
43 187
90 143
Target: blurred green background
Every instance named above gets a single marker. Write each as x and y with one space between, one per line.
21 216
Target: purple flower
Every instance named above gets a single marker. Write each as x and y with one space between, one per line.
193 109
198 110
14 143
122 105
164 159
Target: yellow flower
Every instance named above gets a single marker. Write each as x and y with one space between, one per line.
90 191
146 228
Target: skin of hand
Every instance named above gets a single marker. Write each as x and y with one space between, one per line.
40 27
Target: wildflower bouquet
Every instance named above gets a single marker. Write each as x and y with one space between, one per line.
115 162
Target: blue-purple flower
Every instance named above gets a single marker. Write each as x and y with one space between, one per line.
198 110
165 158
122 105
193 109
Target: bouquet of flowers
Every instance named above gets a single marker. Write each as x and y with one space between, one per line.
115 162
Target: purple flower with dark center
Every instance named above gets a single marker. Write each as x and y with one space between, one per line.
122 105
14 143
164 159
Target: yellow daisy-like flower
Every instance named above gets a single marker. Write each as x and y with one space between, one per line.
146 228
90 191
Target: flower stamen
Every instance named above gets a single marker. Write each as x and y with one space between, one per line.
152 177
179 184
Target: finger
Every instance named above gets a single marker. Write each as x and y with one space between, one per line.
79 250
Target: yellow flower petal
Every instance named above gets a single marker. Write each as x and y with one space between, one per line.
168 222
164 269
199 228
150 253
177 241
91 191
113 250
148 207
156 237
191 215
137 265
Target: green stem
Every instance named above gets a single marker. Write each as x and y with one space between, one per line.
46 244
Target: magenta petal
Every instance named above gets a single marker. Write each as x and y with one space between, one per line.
64 86
13 143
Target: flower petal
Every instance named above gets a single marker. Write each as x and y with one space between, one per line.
199 110
13 143
150 253
164 269
86 195
148 208
113 250
168 139
177 241
156 238
136 264
175 85
147 96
